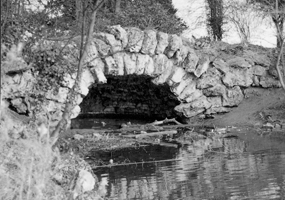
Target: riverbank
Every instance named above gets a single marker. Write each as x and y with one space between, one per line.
259 107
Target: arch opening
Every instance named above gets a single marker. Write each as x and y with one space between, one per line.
130 96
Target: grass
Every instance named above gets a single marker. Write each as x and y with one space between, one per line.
26 168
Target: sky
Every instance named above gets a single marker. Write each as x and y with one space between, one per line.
263 33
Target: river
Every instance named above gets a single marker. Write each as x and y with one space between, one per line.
249 166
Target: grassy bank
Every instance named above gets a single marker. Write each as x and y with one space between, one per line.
26 167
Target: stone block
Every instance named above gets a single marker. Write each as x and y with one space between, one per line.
238 77
160 62
189 89
177 75
217 90
149 66
87 80
98 71
215 102
201 102
120 34
162 42
238 62
102 47
195 95
175 44
191 61
182 54
209 79
85 182
135 39
187 111
149 42
178 87
92 54
257 58
75 112
221 65
203 66
258 70
233 97
78 99
269 82
115 45
20 105
119 60
169 69
111 66
141 63
130 60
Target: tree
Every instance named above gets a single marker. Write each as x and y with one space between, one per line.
118 7
69 105
215 18
243 17
276 10
156 14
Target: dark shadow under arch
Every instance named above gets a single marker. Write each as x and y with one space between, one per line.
129 96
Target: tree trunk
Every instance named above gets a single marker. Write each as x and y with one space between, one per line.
118 7
279 59
215 19
63 123
79 12
279 24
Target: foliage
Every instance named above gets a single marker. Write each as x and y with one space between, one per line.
156 14
215 19
52 61
27 159
25 172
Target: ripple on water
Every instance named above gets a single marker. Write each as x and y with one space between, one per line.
242 169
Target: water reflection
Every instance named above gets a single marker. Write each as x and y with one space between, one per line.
222 169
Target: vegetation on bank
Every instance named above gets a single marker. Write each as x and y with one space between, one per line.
27 163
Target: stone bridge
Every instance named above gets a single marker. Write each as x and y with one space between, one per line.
205 78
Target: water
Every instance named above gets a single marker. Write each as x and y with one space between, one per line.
248 167
106 123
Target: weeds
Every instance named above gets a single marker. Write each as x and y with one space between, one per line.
25 169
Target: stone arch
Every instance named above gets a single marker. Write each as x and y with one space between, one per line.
206 81
205 78
168 59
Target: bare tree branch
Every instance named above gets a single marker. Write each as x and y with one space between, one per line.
280 75
63 123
